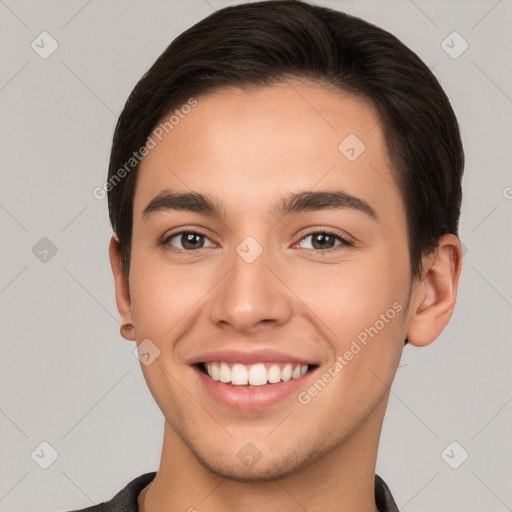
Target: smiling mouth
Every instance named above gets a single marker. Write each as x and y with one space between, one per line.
253 375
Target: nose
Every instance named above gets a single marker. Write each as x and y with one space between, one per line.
251 296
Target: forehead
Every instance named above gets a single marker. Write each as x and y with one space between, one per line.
247 146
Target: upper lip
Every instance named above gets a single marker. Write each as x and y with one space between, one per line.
252 357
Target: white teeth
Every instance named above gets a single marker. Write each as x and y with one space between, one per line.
224 373
214 371
274 374
296 372
239 375
286 372
257 374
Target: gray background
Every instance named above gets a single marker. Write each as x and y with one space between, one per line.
68 378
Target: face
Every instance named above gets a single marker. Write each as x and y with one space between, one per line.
270 269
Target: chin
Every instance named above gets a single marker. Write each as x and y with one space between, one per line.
270 467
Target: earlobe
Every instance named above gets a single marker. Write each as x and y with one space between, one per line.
433 299
122 291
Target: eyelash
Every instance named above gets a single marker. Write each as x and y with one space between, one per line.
343 241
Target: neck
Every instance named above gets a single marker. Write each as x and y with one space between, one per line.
340 481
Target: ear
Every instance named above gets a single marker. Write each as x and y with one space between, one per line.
433 298
122 291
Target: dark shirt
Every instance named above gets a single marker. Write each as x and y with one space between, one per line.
126 499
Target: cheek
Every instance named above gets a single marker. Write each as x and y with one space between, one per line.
364 310
351 297
163 295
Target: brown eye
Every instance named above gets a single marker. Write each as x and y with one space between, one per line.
322 241
188 241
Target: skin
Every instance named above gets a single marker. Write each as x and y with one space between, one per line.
247 149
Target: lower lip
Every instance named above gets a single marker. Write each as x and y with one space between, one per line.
250 399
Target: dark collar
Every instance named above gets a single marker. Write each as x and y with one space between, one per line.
126 499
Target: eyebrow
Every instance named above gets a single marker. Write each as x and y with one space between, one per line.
293 203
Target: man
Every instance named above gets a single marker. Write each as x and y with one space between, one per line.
284 190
